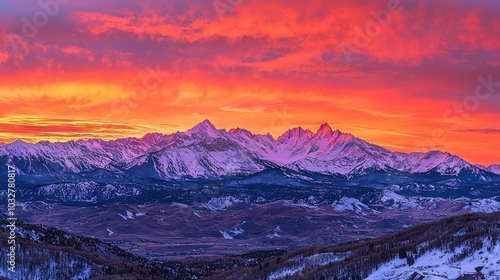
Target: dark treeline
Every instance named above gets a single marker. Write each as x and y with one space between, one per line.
461 235
51 252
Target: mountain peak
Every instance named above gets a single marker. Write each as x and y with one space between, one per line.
297 132
325 127
205 127
18 143
268 135
239 130
207 122
152 137
327 151
324 130
495 168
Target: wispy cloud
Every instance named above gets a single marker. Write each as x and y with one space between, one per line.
483 130
241 71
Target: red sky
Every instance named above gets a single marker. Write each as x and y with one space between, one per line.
401 74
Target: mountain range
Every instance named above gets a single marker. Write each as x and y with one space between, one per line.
205 152
233 191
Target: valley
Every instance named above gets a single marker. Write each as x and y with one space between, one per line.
227 224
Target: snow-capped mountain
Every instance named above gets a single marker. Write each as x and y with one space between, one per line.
207 152
495 168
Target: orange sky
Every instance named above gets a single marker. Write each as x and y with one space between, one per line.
401 74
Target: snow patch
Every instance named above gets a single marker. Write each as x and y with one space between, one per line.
349 204
125 218
485 206
397 201
237 231
138 214
285 272
197 213
273 235
177 204
221 203
437 264
130 215
301 262
226 235
300 205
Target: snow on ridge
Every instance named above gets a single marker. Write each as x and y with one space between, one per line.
197 214
495 168
485 206
237 231
125 218
300 205
324 258
437 264
221 203
226 235
392 200
178 204
273 235
130 216
297 149
232 233
349 204
313 260
285 272
398 201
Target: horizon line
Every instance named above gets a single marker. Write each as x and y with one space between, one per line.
325 124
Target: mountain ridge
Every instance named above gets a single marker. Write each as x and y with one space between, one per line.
207 152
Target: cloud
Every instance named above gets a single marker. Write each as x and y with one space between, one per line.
266 66
306 38
313 29
36 129
482 131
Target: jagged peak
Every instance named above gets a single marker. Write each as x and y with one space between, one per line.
325 131
495 168
152 137
324 128
152 134
239 130
268 135
296 132
444 155
205 125
344 136
18 142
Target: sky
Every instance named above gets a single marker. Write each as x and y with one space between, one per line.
407 75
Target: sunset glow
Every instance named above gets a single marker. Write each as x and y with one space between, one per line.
406 75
